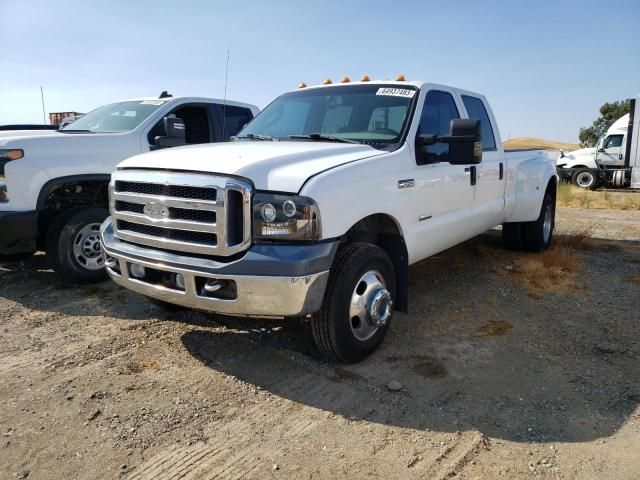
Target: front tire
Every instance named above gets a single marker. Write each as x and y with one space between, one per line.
358 304
585 178
73 245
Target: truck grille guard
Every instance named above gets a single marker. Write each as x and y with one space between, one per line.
184 212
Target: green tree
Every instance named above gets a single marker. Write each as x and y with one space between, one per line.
609 113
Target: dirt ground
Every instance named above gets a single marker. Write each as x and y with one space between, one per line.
512 366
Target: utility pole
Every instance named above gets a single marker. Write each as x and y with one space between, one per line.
44 116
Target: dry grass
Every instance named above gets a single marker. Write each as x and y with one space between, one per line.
635 279
493 328
552 271
530 142
137 366
575 197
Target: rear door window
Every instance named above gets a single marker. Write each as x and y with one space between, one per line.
476 110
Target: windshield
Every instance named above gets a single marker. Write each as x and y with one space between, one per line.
371 114
115 117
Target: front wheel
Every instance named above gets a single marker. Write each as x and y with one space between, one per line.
585 178
73 245
358 304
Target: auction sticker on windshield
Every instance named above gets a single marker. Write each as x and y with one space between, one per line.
152 102
396 92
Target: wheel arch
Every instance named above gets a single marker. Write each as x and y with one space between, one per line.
55 198
384 230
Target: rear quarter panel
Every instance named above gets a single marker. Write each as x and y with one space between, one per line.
528 175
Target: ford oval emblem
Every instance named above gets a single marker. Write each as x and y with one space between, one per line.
156 211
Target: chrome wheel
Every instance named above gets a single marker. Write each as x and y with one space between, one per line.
371 306
547 223
86 247
585 179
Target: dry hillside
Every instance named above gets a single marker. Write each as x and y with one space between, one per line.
530 142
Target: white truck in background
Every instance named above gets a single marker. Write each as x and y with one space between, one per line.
613 162
321 204
53 184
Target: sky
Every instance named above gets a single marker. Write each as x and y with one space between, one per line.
545 66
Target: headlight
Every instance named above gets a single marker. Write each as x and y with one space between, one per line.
285 217
7 155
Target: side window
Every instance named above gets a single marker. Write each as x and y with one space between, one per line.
613 141
235 118
475 109
438 111
196 120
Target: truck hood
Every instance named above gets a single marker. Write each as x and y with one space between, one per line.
582 156
280 166
25 133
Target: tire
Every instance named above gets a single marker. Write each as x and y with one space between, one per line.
16 257
363 272
537 235
71 245
585 178
512 234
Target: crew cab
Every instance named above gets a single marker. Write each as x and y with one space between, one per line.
320 205
53 184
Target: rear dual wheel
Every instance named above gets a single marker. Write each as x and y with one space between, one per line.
533 236
358 304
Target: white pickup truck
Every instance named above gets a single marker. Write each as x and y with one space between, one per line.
53 184
320 205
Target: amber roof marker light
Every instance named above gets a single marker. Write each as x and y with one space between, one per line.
327 81
345 79
400 78
365 78
302 85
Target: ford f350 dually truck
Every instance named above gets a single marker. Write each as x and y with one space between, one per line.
53 185
320 205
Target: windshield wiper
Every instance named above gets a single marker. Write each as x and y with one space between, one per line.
255 136
322 137
67 130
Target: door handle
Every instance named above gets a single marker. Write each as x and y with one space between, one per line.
473 176
501 171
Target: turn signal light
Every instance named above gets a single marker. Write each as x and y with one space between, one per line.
365 78
327 81
400 78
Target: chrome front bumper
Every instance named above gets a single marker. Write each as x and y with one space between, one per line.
256 294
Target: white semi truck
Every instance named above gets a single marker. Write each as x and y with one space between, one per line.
321 204
53 184
613 162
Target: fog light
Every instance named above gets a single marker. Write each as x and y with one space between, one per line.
138 271
179 279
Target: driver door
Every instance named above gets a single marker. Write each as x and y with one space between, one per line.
444 194
611 152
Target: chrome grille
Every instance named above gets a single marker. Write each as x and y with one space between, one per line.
186 212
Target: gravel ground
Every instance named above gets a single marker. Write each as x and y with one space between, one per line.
493 380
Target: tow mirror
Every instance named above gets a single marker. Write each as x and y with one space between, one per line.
175 133
464 139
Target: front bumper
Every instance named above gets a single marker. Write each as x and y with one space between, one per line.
268 281
18 231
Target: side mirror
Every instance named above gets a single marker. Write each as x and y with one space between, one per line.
175 133
464 139
601 150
